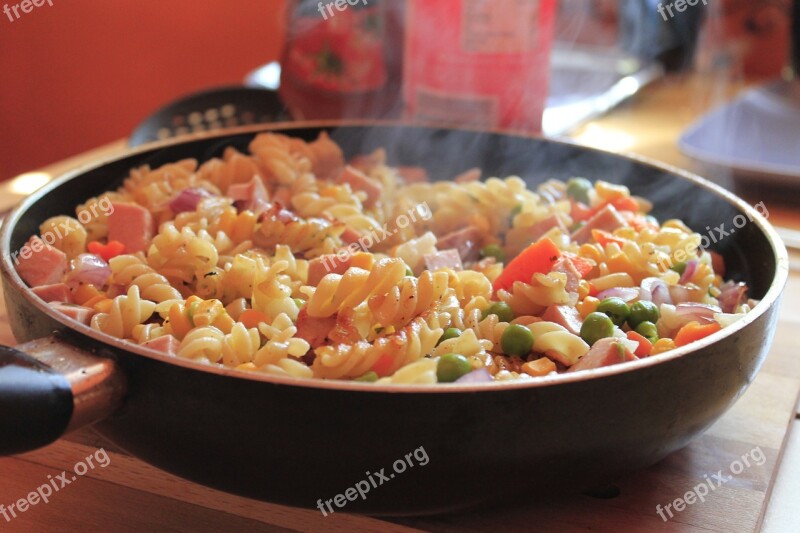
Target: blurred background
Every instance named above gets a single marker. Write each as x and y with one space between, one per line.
85 73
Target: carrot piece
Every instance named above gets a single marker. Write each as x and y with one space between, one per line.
625 203
383 366
645 346
538 257
718 263
251 318
106 251
694 331
581 264
593 291
604 238
638 221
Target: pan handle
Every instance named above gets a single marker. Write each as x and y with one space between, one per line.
49 387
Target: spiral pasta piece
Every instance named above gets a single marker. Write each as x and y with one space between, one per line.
336 291
353 360
126 312
411 298
66 234
202 344
128 270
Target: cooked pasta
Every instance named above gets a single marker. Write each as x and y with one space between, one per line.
289 261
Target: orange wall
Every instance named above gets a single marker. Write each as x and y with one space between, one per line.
85 72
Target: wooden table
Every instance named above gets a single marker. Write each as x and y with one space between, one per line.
129 495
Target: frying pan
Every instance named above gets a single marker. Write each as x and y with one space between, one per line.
298 441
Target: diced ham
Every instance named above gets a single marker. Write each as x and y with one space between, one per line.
361 182
166 344
607 219
413 174
473 174
565 266
312 329
252 196
327 158
326 264
538 230
443 259
366 162
283 196
350 236
130 224
40 264
76 312
345 330
466 242
564 315
57 292
605 352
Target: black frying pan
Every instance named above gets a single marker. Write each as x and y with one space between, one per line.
295 442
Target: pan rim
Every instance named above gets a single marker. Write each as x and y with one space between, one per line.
770 299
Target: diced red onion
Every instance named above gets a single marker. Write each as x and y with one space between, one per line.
87 269
627 294
732 296
661 294
702 313
691 268
683 293
476 376
188 199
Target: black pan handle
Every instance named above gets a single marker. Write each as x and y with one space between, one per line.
49 387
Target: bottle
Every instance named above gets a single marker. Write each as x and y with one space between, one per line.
342 60
482 63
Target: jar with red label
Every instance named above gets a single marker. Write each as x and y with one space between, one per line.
342 59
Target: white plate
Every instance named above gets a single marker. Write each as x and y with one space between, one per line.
757 135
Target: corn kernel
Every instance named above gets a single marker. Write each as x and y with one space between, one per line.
663 345
587 306
583 289
608 191
540 367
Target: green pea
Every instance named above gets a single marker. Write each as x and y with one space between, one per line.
679 267
517 340
578 189
616 309
299 303
369 377
493 250
517 210
449 333
596 326
502 310
451 367
648 330
643 311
